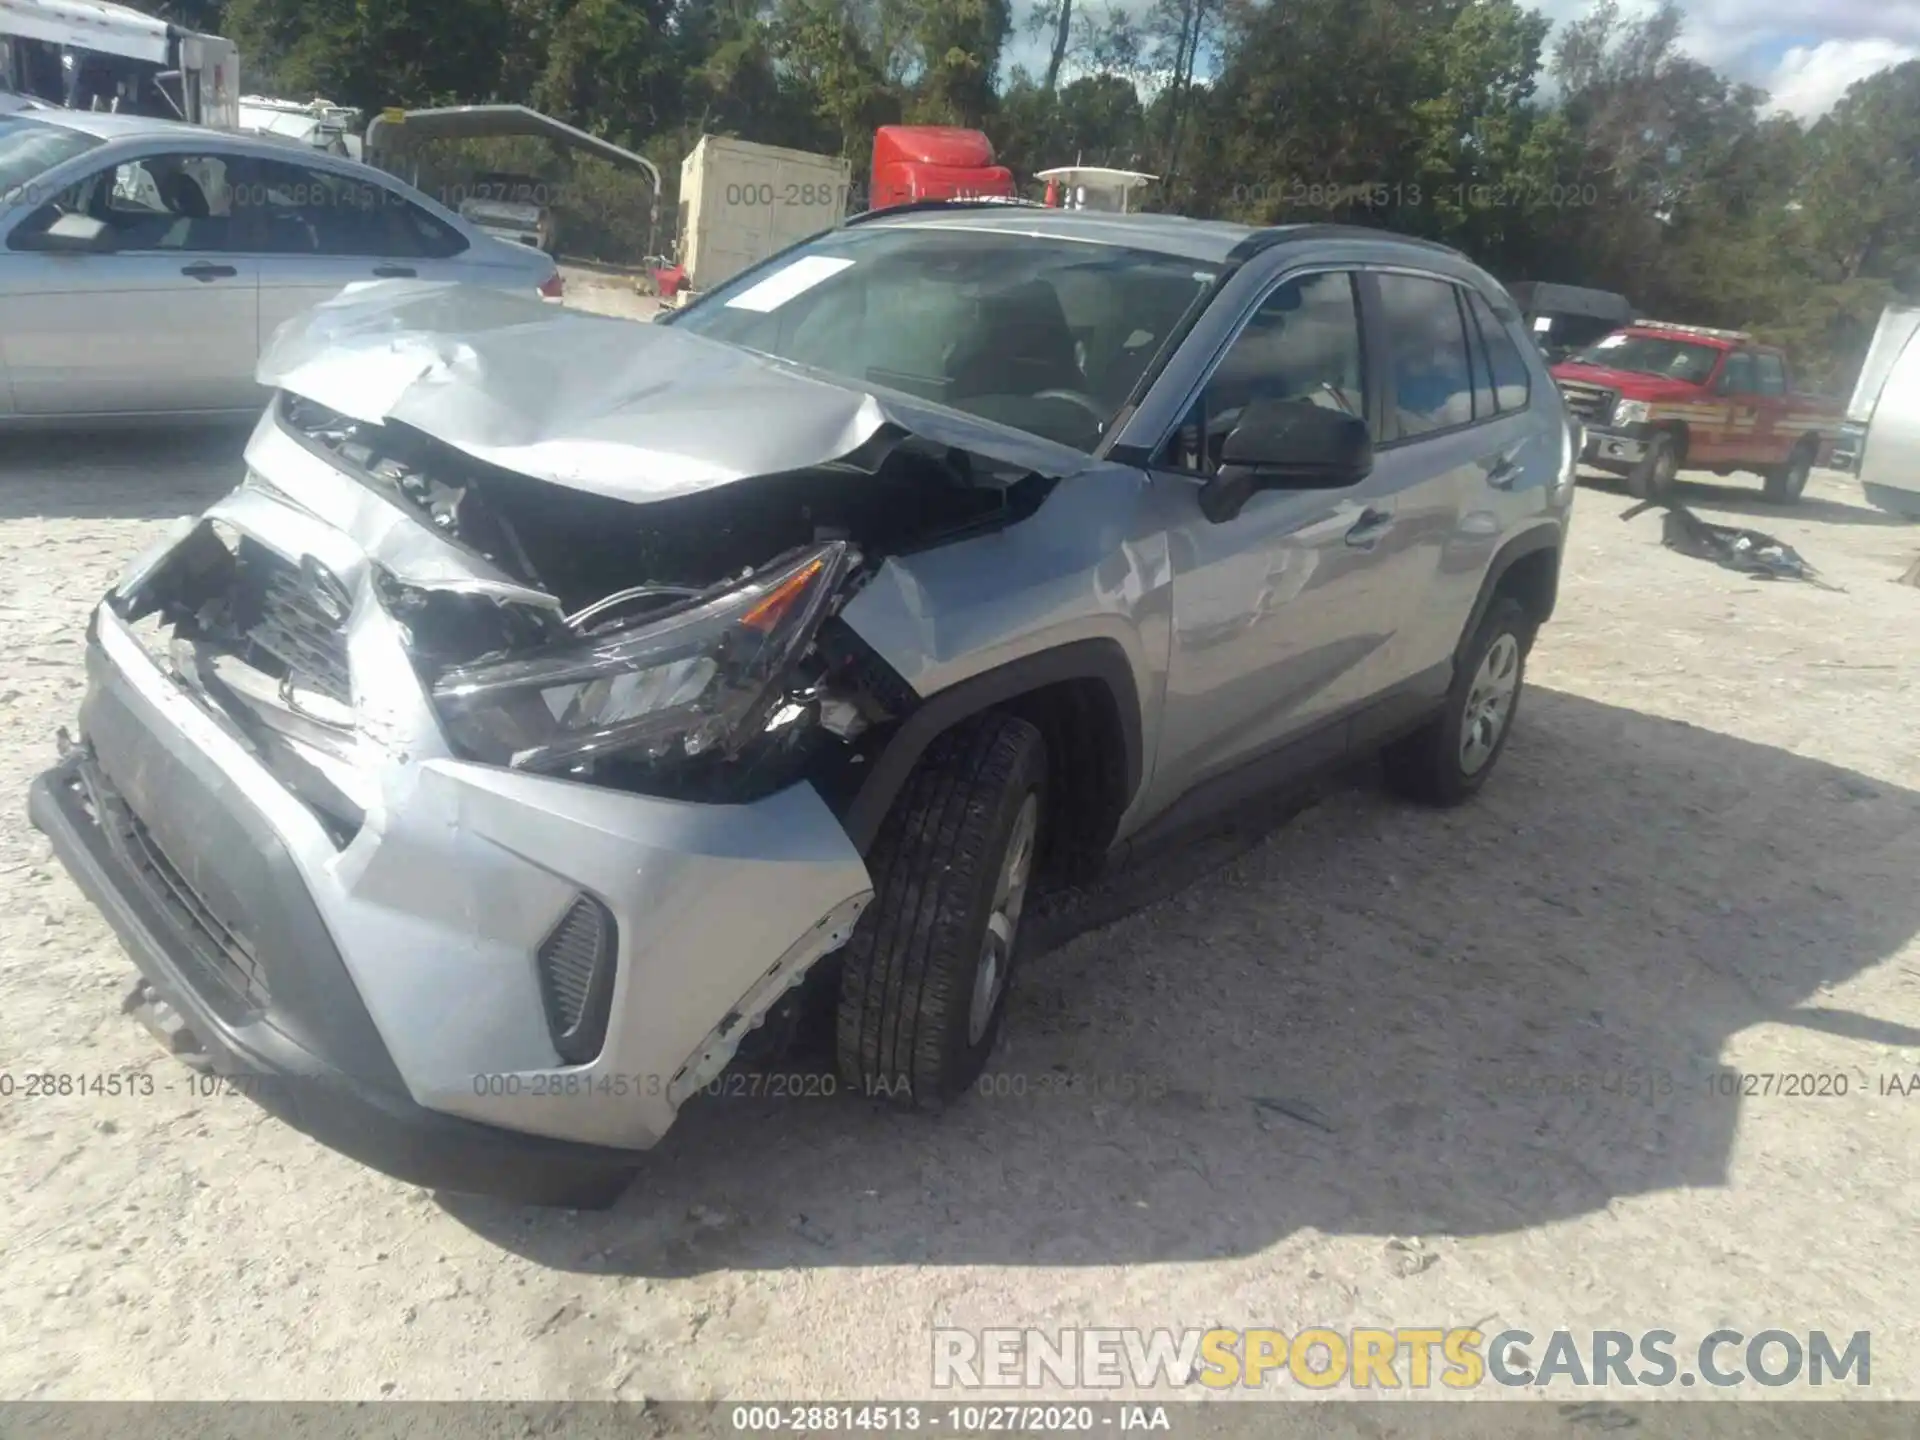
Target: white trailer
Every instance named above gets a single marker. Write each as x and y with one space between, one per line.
1898 323
318 124
1886 412
741 202
94 55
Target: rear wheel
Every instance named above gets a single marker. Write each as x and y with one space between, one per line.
923 983
1788 482
1653 478
1448 759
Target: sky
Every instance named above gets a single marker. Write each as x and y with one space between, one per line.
1805 53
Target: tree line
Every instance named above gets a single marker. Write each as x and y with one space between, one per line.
1602 156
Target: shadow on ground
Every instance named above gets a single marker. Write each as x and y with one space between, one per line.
1368 1022
125 474
1747 499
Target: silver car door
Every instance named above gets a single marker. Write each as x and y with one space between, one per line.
1440 444
313 232
164 321
1275 609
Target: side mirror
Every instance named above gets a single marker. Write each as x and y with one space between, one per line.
1724 385
70 235
1287 445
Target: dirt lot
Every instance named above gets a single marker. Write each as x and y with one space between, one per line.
1700 856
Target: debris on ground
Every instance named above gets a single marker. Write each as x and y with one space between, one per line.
1748 551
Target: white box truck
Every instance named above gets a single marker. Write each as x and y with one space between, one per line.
740 202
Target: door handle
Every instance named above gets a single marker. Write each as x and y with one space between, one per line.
393 272
1367 530
205 270
1503 470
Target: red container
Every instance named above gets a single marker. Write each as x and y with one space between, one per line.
933 162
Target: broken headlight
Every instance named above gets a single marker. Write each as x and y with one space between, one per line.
701 679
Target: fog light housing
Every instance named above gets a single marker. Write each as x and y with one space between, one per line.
576 963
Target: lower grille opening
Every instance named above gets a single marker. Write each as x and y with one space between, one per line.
576 963
226 954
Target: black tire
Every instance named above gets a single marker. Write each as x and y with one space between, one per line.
1653 478
904 1030
1787 483
1429 765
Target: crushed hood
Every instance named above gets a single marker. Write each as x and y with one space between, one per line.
620 408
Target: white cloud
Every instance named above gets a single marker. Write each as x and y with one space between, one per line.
1810 78
1805 55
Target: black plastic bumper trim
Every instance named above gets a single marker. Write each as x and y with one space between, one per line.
389 1132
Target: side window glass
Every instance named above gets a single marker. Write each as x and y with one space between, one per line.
1771 375
294 210
1738 376
1484 406
433 240
1432 385
1303 343
1512 381
163 202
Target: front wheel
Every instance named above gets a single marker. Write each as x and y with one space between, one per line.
923 984
1653 478
1449 758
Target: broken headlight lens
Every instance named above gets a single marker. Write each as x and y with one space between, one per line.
701 679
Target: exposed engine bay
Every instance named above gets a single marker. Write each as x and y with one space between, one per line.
686 648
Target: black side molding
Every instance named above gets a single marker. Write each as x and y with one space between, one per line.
1101 660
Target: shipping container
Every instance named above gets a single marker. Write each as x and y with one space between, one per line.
934 162
740 202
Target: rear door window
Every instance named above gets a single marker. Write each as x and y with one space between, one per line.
1484 404
1512 381
1431 386
299 210
1770 373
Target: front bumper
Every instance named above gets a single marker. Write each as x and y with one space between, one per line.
397 976
1612 446
369 1117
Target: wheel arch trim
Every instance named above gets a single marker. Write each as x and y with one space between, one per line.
1098 659
1530 542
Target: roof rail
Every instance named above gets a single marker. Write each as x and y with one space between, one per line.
1291 234
1739 337
958 203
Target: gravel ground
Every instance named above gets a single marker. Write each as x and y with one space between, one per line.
1699 857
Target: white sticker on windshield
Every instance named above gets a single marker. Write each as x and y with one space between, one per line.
1542 324
781 286
1610 342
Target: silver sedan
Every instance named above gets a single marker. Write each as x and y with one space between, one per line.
144 264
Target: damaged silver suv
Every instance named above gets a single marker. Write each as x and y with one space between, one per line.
556 694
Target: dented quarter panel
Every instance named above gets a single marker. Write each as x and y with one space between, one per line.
614 407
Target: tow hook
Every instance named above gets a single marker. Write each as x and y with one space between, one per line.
165 1024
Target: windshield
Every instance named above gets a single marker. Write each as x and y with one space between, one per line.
1650 355
30 148
1049 336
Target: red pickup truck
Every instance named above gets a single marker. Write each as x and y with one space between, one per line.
1656 398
